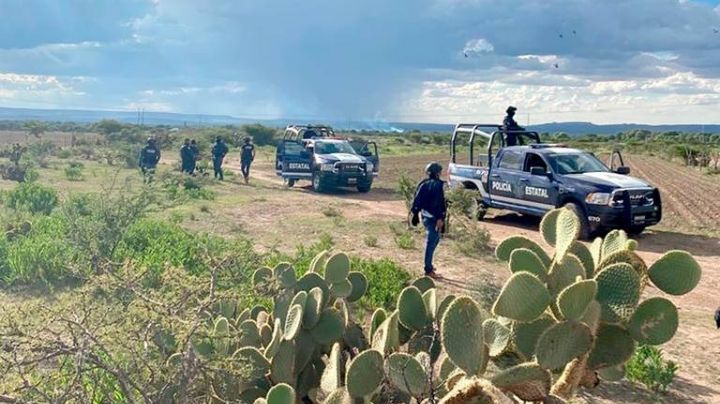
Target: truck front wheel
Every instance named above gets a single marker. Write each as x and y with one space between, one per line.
364 188
317 182
584 224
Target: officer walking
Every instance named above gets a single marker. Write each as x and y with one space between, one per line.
247 155
149 158
196 155
510 125
429 204
219 150
187 157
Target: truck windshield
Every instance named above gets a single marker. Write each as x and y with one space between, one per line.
333 147
576 163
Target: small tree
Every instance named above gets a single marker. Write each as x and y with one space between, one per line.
35 128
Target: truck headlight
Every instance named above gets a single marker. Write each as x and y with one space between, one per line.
598 198
369 167
327 166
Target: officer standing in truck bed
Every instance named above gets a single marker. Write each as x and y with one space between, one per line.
509 125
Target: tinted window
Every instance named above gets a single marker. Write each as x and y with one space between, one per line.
293 149
533 160
576 163
511 160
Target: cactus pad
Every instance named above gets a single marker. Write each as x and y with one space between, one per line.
574 300
524 259
548 226
424 283
329 328
463 336
252 363
282 365
221 336
444 304
407 374
612 374
359 286
332 376
313 307
675 273
596 251
341 289
523 298
613 347
654 322
337 268
318 262
413 313
618 292
281 394
266 334
507 246
300 298
277 337
497 336
568 230
285 274
378 316
339 396
430 300
564 273
631 245
561 343
528 381
365 374
614 241
526 335
387 337
627 257
262 276
579 250
293 322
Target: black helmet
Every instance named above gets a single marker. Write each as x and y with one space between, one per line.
434 168
218 139
150 140
247 139
511 109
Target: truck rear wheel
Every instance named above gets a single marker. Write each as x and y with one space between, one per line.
584 224
479 210
289 182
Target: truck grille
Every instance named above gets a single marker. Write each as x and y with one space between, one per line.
350 167
637 197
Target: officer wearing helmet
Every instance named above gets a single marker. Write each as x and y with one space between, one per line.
149 158
509 125
429 205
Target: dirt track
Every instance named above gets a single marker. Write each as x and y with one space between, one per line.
688 205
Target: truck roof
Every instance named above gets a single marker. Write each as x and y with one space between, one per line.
544 148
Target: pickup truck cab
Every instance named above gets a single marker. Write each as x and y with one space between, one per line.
315 153
533 178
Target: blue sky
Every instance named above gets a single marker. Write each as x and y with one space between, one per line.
651 61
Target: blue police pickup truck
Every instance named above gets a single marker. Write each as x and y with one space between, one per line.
532 178
315 153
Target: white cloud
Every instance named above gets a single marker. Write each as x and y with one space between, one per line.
480 45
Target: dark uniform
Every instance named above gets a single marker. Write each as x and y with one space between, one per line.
219 150
429 204
247 155
187 158
509 125
196 154
149 158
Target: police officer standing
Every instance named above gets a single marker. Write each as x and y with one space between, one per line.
219 150
187 157
247 155
149 158
196 155
509 125
429 205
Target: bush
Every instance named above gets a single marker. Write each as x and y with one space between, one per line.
470 238
74 171
330 211
405 241
64 154
32 197
261 135
648 367
406 190
370 241
386 279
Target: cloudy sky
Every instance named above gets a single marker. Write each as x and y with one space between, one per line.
606 61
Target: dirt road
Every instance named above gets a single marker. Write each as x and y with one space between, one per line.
699 377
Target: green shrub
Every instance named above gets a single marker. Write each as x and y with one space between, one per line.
370 241
386 279
406 189
64 154
74 171
647 366
330 211
405 241
32 197
470 238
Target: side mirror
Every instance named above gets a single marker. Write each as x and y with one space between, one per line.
538 171
623 170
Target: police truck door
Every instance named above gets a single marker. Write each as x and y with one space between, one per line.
295 160
504 177
369 150
536 186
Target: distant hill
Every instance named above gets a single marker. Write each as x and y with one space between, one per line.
175 119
